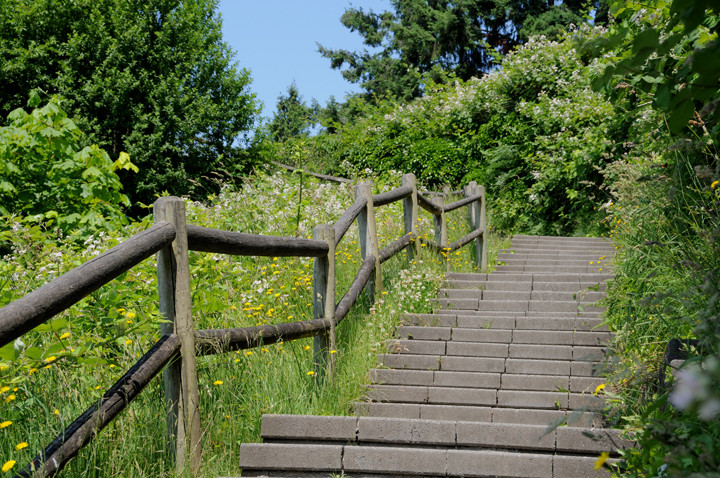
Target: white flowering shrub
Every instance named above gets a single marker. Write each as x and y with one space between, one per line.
533 132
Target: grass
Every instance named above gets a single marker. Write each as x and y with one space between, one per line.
235 388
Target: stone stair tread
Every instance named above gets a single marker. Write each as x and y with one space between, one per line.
411 431
379 461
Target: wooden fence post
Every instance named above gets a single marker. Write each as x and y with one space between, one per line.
440 225
411 210
483 225
368 237
324 302
180 378
474 217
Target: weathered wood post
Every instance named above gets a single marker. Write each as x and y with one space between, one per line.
180 377
324 302
368 238
440 225
483 225
474 218
410 213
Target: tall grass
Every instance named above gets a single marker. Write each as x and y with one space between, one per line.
235 388
666 286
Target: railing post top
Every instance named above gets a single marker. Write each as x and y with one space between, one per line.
324 232
167 199
472 183
364 188
481 190
409 178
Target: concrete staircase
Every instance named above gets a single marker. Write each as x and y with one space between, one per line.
472 389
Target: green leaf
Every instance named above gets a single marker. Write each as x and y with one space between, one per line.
679 117
34 353
646 40
8 353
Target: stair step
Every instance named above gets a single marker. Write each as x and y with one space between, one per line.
480 397
478 414
518 305
490 380
381 461
585 297
418 432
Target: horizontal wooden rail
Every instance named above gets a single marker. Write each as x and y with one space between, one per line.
343 224
465 239
242 244
24 314
391 196
395 247
214 341
361 279
66 445
434 245
462 202
428 205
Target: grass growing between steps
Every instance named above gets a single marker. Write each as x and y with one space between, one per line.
104 334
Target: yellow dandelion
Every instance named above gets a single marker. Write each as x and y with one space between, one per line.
248 353
8 464
21 445
130 315
32 371
218 382
56 412
333 351
128 342
4 389
65 335
10 398
307 347
599 388
310 373
50 359
714 184
601 460
5 424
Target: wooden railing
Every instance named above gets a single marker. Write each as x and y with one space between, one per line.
174 354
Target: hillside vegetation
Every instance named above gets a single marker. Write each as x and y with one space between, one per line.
607 131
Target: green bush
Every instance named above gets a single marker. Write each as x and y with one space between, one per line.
48 177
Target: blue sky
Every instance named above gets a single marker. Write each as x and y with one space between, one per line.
276 40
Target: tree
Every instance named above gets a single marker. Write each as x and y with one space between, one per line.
434 39
149 77
292 116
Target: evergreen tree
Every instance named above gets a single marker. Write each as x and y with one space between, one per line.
292 116
431 39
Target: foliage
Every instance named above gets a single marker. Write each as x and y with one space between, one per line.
47 177
534 133
666 50
292 116
424 40
150 77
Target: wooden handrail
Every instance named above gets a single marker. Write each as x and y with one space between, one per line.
215 341
172 240
462 202
428 205
390 197
26 313
343 224
242 244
